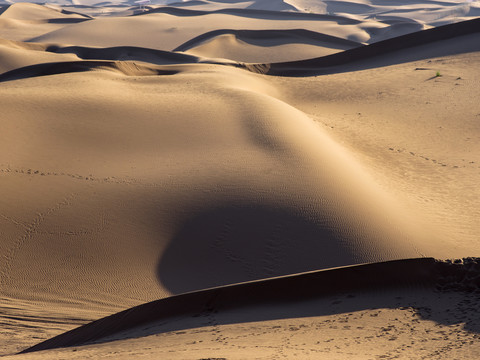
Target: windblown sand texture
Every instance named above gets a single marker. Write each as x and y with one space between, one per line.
149 153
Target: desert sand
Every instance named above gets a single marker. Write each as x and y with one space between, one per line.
240 179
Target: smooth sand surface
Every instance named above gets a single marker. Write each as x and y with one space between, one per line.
145 154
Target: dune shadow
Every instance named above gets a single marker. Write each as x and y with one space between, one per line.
352 7
3 8
56 68
187 3
254 14
233 243
67 20
272 38
125 53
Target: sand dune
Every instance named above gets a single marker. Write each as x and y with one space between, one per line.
413 272
149 154
16 54
260 45
37 13
20 21
332 189
426 44
359 325
173 30
255 13
278 36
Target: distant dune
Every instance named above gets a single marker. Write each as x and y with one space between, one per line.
242 45
239 179
411 47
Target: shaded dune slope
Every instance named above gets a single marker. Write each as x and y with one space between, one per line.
70 12
118 53
3 8
351 7
188 3
300 36
253 13
123 67
460 275
253 46
392 274
123 53
358 57
108 58
66 21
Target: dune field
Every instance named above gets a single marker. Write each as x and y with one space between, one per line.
229 179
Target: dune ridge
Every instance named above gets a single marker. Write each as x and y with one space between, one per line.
411 273
123 53
275 45
300 35
398 273
262 14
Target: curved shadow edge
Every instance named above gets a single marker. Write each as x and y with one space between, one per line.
412 273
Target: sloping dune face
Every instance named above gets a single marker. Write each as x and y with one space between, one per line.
172 169
140 158
276 45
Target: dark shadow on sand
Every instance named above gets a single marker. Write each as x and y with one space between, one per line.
3 8
56 68
409 284
235 243
218 248
275 37
125 53
254 14
67 20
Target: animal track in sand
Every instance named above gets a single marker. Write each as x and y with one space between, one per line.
467 162
216 328
6 169
13 221
30 230
93 229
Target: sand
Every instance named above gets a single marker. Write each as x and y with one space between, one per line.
196 145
